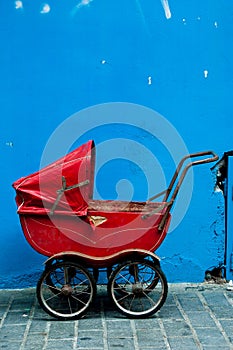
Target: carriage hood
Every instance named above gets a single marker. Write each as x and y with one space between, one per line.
63 187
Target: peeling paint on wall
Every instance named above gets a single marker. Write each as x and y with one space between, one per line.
45 8
166 8
175 266
206 73
83 3
9 144
18 5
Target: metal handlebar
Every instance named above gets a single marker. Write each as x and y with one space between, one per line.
185 170
172 190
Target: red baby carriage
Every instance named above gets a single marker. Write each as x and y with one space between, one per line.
80 235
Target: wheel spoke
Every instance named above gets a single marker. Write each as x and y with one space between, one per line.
131 303
77 299
81 283
124 278
54 288
149 298
125 297
66 275
53 296
69 304
135 270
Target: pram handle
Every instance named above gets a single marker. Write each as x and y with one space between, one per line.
185 170
181 171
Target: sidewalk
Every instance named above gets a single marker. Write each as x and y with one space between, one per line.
193 317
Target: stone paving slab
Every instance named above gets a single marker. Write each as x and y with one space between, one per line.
193 317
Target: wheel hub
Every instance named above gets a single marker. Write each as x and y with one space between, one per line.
137 289
67 290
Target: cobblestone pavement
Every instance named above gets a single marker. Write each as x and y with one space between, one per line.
193 317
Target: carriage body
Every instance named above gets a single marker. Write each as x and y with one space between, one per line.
108 229
60 217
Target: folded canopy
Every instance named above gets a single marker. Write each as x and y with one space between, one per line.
63 187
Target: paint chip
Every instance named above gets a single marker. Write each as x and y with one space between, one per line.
45 8
9 144
149 80
166 8
80 4
216 24
18 5
206 73
83 3
103 61
184 21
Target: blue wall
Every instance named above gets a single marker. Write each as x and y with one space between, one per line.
61 57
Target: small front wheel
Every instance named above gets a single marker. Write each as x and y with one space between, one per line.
138 288
65 290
